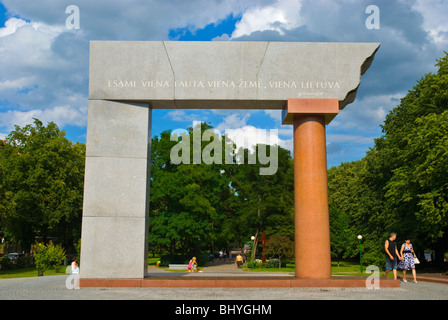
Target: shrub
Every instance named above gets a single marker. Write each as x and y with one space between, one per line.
46 256
41 258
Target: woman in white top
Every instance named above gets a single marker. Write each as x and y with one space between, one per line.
75 268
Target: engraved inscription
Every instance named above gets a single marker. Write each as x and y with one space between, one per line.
223 84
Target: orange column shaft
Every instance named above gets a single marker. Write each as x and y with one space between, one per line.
312 227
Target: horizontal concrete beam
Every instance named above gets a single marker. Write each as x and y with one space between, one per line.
235 75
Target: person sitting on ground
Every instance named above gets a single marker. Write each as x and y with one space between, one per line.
193 265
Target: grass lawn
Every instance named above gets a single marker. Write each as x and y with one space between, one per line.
153 261
29 272
289 268
345 268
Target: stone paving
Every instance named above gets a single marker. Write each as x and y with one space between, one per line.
54 288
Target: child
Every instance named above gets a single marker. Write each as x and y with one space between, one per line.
194 265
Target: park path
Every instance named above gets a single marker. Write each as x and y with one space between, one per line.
222 266
216 267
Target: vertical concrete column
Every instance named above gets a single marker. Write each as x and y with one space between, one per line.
116 191
312 227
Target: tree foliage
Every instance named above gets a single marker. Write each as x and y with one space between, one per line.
203 206
48 255
401 184
281 247
42 175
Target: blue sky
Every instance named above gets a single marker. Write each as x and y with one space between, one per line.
44 65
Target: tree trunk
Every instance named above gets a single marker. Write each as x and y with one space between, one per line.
255 245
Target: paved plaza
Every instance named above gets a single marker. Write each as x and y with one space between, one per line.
54 288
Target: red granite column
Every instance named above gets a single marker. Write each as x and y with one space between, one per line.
312 227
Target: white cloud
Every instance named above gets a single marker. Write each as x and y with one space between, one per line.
11 26
181 116
276 115
61 115
366 113
249 136
28 45
235 126
280 16
16 84
435 20
37 79
234 121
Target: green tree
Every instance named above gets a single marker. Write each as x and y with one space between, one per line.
409 167
355 209
418 190
213 206
48 255
43 176
187 200
341 236
280 246
401 183
263 202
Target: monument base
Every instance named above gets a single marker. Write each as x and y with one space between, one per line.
236 282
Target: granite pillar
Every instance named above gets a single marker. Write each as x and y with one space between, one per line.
312 227
116 191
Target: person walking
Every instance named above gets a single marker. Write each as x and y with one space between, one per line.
392 255
407 252
239 260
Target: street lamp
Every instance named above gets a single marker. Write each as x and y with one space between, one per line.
253 253
360 252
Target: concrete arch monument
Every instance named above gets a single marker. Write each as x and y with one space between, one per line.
310 82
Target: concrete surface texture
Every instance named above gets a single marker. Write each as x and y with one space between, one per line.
236 75
116 190
54 288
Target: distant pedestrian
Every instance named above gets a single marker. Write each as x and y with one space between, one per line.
75 267
392 254
239 260
407 252
220 255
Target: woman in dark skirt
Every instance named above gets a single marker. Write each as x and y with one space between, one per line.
407 252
